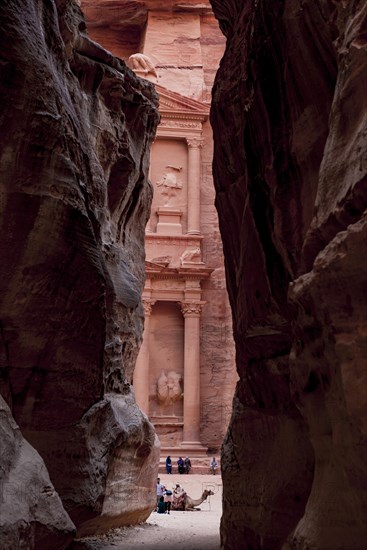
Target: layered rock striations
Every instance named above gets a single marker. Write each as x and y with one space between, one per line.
75 129
290 165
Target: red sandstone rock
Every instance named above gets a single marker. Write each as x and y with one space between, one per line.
31 512
289 118
75 130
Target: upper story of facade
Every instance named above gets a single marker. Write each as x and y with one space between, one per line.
181 39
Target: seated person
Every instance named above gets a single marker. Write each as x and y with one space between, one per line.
177 489
213 465
181 465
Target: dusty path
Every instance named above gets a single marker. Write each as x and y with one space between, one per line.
195 530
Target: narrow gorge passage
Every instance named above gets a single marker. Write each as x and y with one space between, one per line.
190 530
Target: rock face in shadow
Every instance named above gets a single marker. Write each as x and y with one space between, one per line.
75 129
30 508
290 165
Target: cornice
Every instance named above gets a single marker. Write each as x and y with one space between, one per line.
173 239
157 272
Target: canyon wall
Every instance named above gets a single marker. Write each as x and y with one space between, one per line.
75 130
290 163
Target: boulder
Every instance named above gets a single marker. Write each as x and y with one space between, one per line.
31 512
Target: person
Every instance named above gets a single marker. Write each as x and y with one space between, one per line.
161 506
213 465
169 465
177 489
179 496
187 465
160 489
181 465
168 498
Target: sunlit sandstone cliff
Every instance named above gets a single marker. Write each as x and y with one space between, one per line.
290 124
75 130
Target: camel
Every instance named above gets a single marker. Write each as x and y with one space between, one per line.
184 502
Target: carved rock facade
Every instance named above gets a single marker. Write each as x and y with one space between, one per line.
181 45
290 126
75 129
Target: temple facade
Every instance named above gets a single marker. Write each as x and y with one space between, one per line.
185 373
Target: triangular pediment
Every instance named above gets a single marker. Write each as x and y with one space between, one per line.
175 103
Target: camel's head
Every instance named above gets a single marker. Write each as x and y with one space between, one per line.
207 493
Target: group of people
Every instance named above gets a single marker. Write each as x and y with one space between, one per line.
165 497
183 466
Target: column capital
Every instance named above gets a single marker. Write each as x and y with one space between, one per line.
191 309
148 305
195 143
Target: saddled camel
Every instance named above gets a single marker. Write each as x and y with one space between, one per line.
184 502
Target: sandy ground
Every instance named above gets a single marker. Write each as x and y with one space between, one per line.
190 530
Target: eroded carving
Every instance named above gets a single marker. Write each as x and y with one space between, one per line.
169 182
169 388
148 306
191 308
141 63
195 143
190 255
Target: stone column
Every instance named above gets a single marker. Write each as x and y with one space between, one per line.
191 405
141 372
194 182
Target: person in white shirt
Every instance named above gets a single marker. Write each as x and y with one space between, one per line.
160 490
213 465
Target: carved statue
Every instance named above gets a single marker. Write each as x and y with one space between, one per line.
169 388
141 63
169 181
189 255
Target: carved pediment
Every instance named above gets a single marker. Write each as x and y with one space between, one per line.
172 103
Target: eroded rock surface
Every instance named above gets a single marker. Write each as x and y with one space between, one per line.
75 129
290 125
30 508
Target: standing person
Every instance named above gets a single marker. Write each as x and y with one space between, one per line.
187 465
168 498
213 465
169 465
160 489
181 465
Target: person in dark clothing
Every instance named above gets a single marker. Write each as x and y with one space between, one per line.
168 498
187 465
169 465
181 466
161 506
